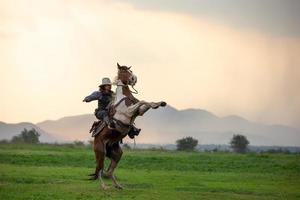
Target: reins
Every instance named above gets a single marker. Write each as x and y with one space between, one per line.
115 106
136 92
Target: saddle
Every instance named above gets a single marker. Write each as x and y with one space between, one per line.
121 128
130 130
97 127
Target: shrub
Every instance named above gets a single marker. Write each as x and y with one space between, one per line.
126 146
239 143
186 144
78 143
27 136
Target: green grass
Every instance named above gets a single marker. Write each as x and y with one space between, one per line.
60 172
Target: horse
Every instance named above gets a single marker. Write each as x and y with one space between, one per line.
126 108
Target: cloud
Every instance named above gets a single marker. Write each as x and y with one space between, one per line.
278 17
64 49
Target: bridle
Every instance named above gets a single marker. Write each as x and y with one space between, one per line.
132 81
135 91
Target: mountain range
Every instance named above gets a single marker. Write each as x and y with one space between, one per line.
7 131
165 126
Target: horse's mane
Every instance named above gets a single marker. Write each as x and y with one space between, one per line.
115 80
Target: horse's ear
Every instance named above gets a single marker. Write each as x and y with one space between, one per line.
129 67
118 66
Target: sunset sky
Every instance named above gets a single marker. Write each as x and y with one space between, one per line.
228 57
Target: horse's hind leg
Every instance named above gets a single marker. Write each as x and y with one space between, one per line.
95 176
115 156
99 149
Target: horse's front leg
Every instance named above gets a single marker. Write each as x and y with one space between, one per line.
155 105
146 106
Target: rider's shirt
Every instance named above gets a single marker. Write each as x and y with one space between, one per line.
104 98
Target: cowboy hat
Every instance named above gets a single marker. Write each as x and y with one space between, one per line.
105 81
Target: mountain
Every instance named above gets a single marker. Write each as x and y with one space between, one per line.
166 125
69 128
7 131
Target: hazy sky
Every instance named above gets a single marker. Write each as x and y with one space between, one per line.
228 57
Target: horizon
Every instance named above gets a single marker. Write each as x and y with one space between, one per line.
179 110
165 126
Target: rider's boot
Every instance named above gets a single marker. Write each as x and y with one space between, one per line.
109 122
134 131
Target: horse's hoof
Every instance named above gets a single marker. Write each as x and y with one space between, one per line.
119 187
104 187
163 104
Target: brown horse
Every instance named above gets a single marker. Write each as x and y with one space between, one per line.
126 108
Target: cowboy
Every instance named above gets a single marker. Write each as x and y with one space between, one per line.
104 97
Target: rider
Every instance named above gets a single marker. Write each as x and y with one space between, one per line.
104 97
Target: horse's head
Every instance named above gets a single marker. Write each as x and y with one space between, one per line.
126 75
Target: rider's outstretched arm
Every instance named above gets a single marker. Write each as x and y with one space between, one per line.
94 96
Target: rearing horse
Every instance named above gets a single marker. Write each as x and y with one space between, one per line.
126 108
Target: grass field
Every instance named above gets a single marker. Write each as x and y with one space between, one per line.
60 172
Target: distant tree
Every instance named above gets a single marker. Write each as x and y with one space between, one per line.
279 150
186 144
27 136
91 142
126 146
4 141
78 143
239 143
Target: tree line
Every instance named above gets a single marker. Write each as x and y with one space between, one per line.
238 142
